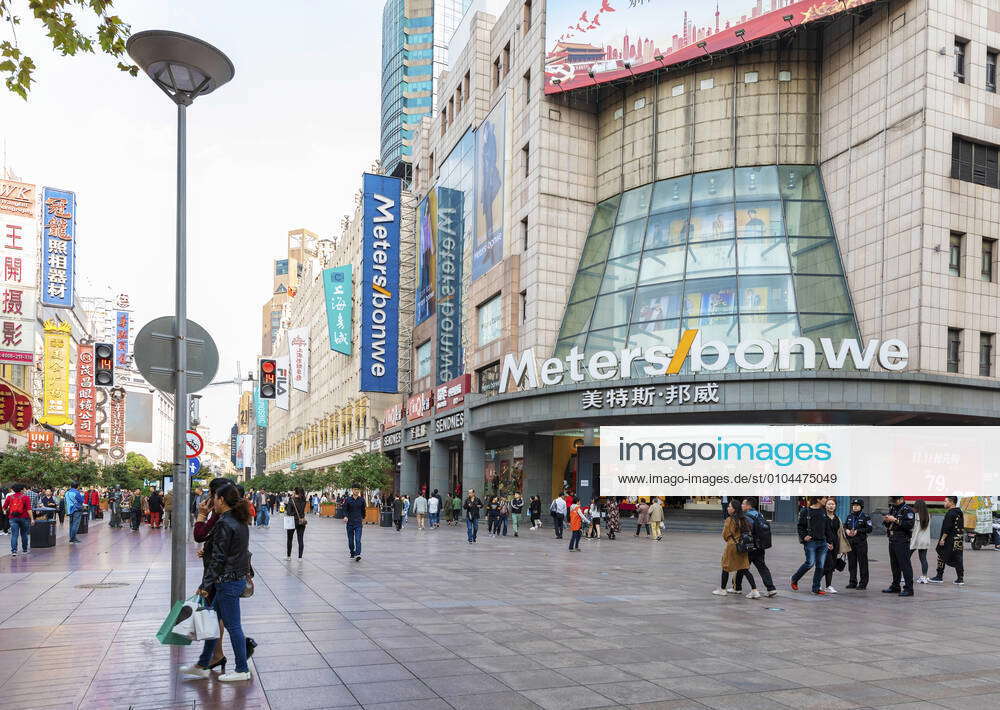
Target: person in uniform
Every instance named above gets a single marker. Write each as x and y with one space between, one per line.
950 546
898 524
857 527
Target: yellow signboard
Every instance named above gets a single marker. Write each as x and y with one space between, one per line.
55 399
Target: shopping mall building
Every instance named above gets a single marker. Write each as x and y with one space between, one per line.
826 182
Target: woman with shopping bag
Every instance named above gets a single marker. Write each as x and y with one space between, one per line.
227 569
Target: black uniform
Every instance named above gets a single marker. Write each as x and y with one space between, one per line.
899 534
857 556
951 552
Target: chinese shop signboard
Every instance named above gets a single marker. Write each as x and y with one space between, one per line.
121 339
86 432
452 393
116 424
298 357
419 406
18 252
55 390
22 413
58 248
337 290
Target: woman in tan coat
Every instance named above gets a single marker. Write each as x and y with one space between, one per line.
732 559
642 511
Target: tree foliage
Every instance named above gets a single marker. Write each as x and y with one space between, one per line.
61 22
368 471
46 469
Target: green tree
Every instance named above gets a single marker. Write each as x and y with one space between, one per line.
368 471
61 21
118 474
45 469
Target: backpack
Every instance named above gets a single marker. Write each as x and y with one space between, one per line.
18 505
761 531
746 543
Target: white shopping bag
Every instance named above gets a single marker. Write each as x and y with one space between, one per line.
289 522
185 625
206 625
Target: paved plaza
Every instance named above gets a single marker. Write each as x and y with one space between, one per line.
427 621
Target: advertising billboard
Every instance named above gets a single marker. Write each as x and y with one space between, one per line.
487 247
86 395
58 248
426 238
450 241
612 39
121 338
298 356
57 346
260 409
380 284
18 252
281 364
337 286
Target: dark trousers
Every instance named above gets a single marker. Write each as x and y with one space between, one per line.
398 522
899 562
557 523
757 560
953 557
574 540
501 524
638 527
738 582
922 556
298 531
857 562
136 518
354 539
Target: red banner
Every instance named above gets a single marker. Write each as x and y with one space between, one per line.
393 417
6 403
116 423
86 392
419 406
452 393
22 413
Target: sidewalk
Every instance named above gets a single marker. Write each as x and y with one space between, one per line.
427 621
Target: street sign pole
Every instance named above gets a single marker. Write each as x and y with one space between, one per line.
182 489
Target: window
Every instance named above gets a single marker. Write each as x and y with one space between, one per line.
526 17
281 267
955 254
524 306
458 98
527 87
991 70
954 349
525 158
489 317
524 232
451 110
960 46
989 252
496 72
444 120
506 59
986 354
467 85
974 162
489 378
424 360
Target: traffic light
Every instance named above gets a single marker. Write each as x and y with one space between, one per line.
104 364
268 379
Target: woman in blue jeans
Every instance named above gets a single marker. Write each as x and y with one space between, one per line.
225 578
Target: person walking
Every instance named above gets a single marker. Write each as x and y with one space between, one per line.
114 507
921 539
420 510
75 510
558 509
61 505
762 541
472 505
577 519
4 521
354 512
295 520
503 514
492 506
397 512
434 511
135 512
168 508
950 546
857 528
407 504
155 509
535 512
656 518
227 569
835 545
596 515
812 528
17 506
613 524
456 509
898 524
642 519
736 528
516 509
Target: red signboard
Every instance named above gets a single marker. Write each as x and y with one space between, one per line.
116 422
39 439
22 413
86 392
452 393
592 42
393 416
419 406
6 403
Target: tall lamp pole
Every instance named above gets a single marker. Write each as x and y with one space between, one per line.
184 68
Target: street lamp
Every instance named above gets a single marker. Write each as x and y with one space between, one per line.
184 68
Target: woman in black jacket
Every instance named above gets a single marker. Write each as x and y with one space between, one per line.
295 520
535 511
833 543
227 568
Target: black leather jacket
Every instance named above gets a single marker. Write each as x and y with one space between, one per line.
227 554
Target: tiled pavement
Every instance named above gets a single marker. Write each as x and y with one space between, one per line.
427 621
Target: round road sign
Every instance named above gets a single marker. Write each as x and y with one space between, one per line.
194 465
194 444
155 355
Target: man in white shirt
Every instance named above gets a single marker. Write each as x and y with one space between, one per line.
420 508
433 510
558 510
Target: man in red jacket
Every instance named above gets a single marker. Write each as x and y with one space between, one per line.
18 508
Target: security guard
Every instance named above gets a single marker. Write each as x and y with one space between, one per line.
857 528
898 524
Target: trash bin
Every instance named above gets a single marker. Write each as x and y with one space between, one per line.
385 520
43 533
84 523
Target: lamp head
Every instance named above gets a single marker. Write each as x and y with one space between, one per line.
184 67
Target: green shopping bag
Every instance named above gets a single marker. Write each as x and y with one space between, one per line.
166 633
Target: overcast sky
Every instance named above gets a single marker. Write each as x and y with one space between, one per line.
280 147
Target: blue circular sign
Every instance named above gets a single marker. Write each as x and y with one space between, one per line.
194 465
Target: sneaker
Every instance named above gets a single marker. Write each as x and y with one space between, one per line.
732 590
357 558
771 593
831 590
921 580
754 594
13 554
959 582
820 592
936 580
851 585
794 585
719 592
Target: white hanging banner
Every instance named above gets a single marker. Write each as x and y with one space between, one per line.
282 377
298 355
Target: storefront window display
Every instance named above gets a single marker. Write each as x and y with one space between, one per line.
504 471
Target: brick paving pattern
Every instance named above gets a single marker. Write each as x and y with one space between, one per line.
427 621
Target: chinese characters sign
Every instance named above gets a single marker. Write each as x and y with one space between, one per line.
645 396
58 247
39 439
419 405
121 339
86 432
337 288
116 441
18 249
298 358
55 397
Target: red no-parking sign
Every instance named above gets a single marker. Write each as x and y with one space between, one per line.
194 444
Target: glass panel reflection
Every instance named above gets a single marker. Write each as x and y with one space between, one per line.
663 265
757 183
609 339
673 194
667 229
822 294
635 204
716 186
807 219
576 318
759 219
715 222
612 310
604 214
621 273
709 297
769 327
760 256
586 284
814 256
658 302
628 238
596 250
711 259
799 182
766 294
664 332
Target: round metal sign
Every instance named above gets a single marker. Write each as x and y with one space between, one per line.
155 356
194 443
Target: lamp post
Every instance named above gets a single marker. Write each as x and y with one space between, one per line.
184 68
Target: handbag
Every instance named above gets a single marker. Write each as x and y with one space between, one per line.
840 564
206 624
288 523
185 621
248 589
295 512
166 633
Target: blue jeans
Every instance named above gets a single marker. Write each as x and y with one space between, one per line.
263 516
435 518
472 528
227 606
74 524
815 557
354 539
574 539
19 525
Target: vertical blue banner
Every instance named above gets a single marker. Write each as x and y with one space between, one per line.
260 408
121 339
450 241
58 248
380 284
337 290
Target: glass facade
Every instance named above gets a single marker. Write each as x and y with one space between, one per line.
739 254
392 85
